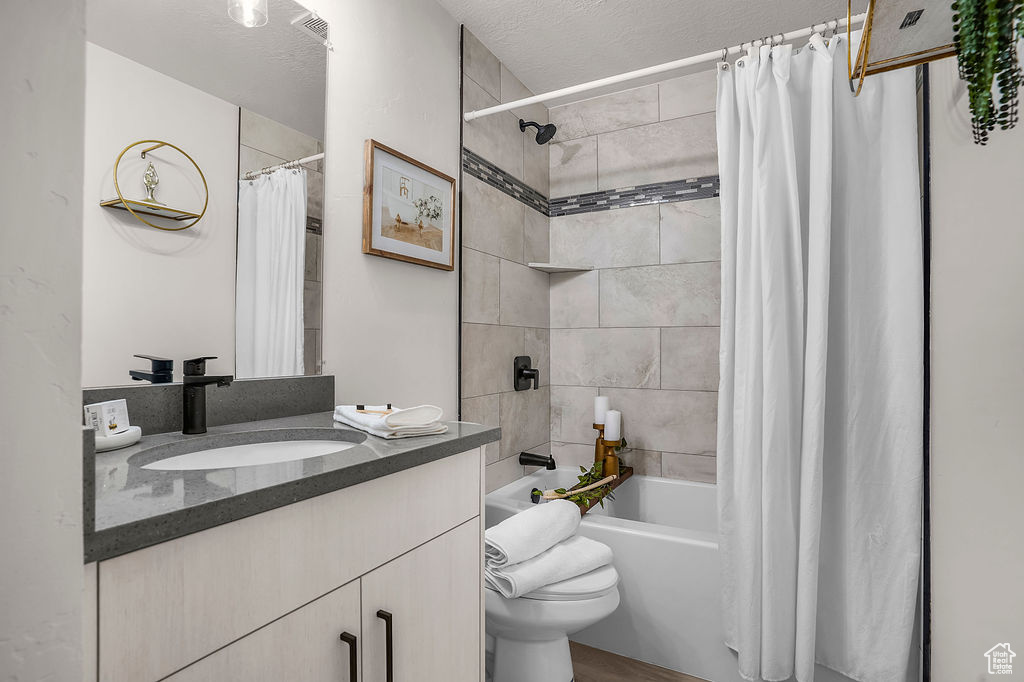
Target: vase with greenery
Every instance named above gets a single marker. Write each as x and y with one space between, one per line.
986 33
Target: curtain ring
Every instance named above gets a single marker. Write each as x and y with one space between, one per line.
725 53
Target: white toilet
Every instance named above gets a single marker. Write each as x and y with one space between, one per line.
530 635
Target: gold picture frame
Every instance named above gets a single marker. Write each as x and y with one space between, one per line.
394 182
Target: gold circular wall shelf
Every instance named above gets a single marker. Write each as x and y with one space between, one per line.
121 202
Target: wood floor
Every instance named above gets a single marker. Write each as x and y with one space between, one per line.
595 665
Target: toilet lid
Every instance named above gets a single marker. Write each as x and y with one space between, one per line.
590 585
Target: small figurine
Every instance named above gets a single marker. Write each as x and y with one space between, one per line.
151 180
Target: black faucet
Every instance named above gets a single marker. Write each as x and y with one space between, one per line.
193 394
161 370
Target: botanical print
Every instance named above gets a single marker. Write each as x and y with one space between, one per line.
411 211
408 209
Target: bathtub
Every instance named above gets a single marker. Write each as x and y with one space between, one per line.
664 535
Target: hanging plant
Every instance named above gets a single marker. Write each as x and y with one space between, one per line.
985 33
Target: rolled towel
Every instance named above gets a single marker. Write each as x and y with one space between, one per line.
568 559
399 423
530 532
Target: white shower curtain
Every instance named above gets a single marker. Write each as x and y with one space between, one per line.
820 402
270 273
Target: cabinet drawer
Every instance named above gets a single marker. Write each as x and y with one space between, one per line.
303 645
163 607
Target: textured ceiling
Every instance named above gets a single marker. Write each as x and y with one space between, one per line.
551 44
273 70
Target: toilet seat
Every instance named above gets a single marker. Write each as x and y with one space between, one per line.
592 585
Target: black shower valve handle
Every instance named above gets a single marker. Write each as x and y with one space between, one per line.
523 374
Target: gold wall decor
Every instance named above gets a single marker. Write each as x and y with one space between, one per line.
898 34
150 206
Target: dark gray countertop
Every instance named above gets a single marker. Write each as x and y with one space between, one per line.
128 507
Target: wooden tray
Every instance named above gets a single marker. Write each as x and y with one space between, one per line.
587 506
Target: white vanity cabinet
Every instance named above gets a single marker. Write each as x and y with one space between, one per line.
304 645
268 596
432 598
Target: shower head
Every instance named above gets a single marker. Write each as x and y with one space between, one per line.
544 133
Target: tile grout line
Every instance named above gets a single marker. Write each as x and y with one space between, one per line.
626 388
637 125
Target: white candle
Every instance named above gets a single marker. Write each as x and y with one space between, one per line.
601 405
612 425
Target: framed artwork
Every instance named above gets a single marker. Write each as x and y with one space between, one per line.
408 209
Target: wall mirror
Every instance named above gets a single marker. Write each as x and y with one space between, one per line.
244 283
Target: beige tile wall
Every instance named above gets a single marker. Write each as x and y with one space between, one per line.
642 328
504 303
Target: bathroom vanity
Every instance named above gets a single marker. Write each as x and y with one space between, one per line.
364 564
360 562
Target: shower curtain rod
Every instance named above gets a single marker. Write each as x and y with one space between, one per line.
714 55
287 164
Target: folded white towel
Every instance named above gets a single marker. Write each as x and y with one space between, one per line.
413 421
568 559
530 532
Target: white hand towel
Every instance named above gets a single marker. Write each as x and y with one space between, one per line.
414 421
421 415
568 559
530 532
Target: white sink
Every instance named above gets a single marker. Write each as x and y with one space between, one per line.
252 454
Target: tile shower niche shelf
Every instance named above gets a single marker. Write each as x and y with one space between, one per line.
551 267
146 208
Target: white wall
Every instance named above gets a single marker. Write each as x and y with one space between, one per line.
390 328
977 389
42 81
147 290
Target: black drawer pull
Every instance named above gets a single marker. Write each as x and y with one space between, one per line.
350 639
388 643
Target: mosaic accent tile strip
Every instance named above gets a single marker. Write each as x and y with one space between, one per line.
641 195
482 169
624 197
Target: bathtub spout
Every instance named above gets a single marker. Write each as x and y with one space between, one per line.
530 459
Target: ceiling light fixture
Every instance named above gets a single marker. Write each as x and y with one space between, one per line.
249 13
